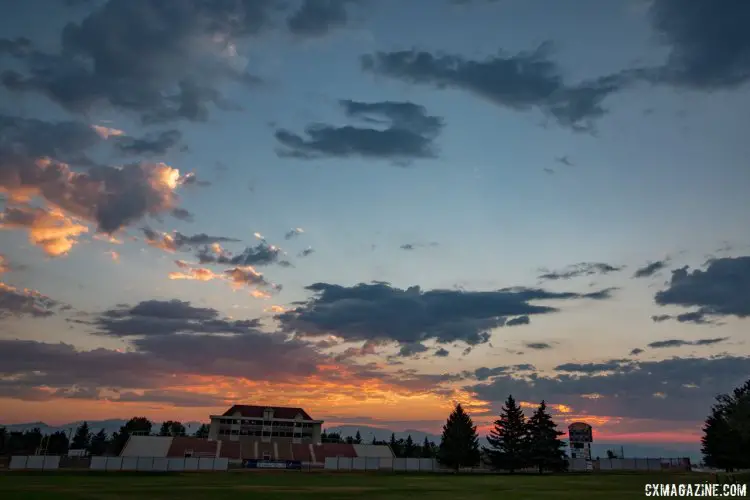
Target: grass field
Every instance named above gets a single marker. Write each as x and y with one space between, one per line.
294 485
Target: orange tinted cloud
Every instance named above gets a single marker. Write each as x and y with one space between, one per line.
52 230
106 132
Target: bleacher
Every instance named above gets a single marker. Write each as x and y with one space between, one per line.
192 447
332 450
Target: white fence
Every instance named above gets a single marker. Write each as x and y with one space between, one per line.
159 464
380 463
35 462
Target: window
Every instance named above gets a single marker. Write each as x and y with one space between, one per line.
266 455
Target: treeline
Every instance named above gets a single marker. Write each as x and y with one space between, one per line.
402 448
32 441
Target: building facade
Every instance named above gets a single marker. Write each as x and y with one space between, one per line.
266 423
580 437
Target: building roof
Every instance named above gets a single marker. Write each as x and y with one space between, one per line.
579 426
253 411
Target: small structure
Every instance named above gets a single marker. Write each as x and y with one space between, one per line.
580 438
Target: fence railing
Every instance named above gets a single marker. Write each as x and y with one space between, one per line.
381 464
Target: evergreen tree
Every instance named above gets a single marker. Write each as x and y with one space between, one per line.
56 443
409 447
172 428
99 443
508 440
202 431
459 445
82 437
726 438
358 438
394 445
426 450
545 449
374 441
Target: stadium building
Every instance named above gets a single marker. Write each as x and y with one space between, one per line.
264 433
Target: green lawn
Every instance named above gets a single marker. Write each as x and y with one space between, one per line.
321 485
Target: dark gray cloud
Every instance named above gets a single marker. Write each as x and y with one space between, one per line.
293 233
316 18
723 289
157 317
611 365
636 351
17 303
580 269
650 269
520 320
183 399
181 242
161 60
442 353
709 43
685 387
378 311
262 254
306 252
484 373
538 346
27 139
523 81
152 145
406 132
182 214
661 344
409 350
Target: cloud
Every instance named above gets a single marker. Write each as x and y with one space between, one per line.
650 269
538 346
625 389
110 197
520 320
485 373
414 246
609 366
636 351
160 61
661 344
293 233
723 289
407 133
409 350
238 277
157 145
177 398
181 242
262 254
580 269
378 311
521 82
316 18
51 230
709 45
16 302
442 353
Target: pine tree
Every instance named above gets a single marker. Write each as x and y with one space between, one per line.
545 449
395 448
82 437
459 445
508 443
426 451
202 431
99 443
358 438
409 447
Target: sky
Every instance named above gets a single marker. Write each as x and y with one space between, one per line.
375 209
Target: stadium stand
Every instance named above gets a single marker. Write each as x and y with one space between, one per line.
147 446
193 447
332 450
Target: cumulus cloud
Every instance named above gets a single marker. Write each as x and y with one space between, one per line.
262 254
709 45
51 230
523 81
538 346
650 269
150 145
636 351
238 277
294 232
661 344
722 289
406 132
580 269
162 61
378 311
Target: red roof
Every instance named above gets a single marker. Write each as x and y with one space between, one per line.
252 411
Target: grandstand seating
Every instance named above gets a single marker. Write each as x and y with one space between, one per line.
196 447
147 446
231 450
323 451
